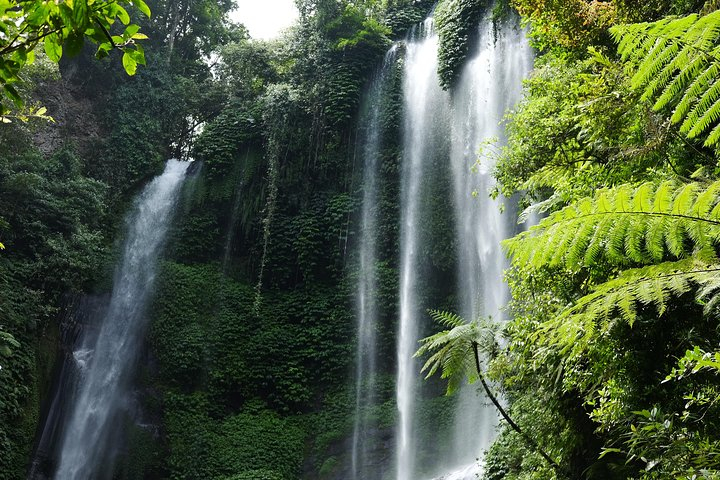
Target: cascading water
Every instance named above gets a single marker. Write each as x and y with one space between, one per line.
490 83
105 356
366 307
425 106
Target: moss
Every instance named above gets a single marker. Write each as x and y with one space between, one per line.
329 466
456 22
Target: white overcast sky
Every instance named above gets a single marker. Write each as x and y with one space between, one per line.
265 18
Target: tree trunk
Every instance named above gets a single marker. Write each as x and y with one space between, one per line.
509 420
174 20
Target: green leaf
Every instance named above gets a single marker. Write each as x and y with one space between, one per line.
677 62
129 63
142 6
103 50
138 55
122 14
53 49
13 95
131 30
80 15
74 44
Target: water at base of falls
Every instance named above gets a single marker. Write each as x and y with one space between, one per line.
104 355
468 472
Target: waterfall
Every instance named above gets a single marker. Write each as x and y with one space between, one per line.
489 84
366 306
105 356
425 106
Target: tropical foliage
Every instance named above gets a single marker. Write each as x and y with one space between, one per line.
266 218
59 26
614 291
678 64
456 22
610 361
452 351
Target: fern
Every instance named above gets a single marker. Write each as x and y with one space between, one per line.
678 61
456 353
593 315
452 350
669 231
624 226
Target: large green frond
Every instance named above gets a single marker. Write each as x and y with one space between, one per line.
452 351
624 225
677 62
653 286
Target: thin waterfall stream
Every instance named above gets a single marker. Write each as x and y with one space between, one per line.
490 84
105 354
366 306
425 107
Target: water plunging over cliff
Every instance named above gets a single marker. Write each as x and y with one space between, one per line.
105 356
366 296
489 84
425 106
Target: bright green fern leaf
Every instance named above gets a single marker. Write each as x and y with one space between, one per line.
623 226
652 286
451 351
678 61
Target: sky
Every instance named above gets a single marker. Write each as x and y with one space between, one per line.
265 18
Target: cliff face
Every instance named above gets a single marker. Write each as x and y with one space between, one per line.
245 370
74 120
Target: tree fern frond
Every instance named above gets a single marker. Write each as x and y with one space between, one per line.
698 86
539 208
624 225
452 351
708 111
652 286
713 137
447 319
691 69
677 63
655 75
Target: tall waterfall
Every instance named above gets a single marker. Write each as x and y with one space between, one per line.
425 107
490 82
366 306
106 355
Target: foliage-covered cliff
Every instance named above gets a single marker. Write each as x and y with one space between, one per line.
609 361
252 332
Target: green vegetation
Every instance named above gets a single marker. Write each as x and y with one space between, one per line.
457 22
25 24
610 361
610 364
251 330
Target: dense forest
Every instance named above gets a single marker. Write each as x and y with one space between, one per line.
604 362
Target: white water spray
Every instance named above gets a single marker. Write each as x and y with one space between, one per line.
489 84
109 355
366 304
424 103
